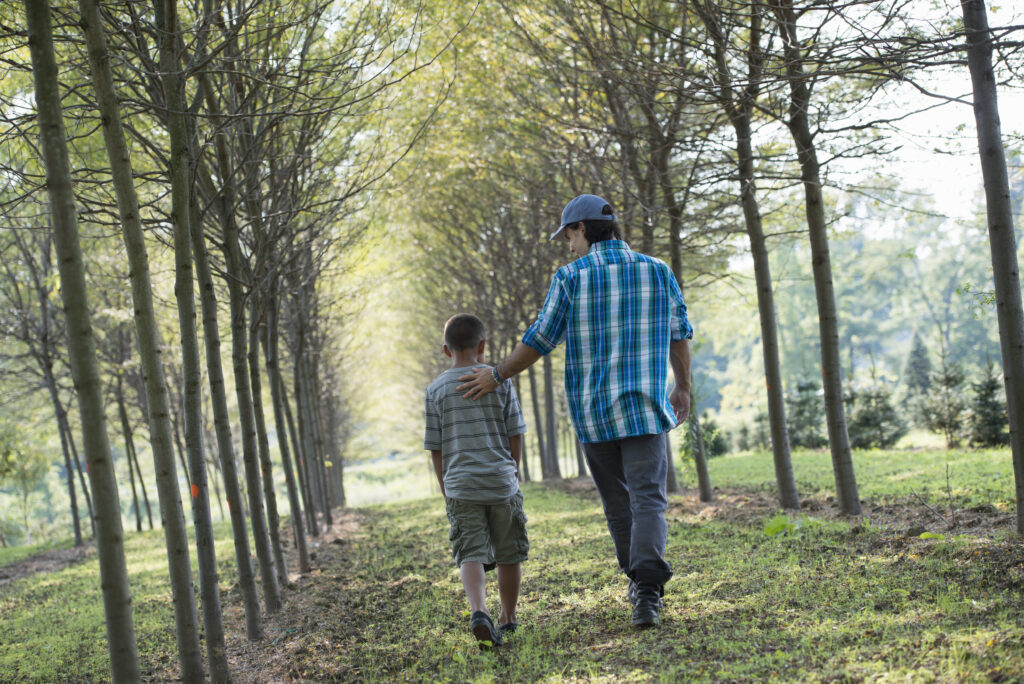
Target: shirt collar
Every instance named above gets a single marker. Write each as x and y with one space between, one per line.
607 244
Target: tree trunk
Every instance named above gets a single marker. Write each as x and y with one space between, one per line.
70 436
1002 241
538 421
739 105
552 472
270 345
263 443
706 494
821 261
300 461
671 479
82 349
784 480
65 448
133 461
218 395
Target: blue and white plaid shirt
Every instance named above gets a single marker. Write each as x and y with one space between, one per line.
617 310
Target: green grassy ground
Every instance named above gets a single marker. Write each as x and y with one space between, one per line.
828 599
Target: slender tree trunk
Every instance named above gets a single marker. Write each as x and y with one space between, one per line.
524 470
218 397
179 448
821 260
706 494
552 471
243 393
58 409
671 479
300 462
270 346
133 461
70 436
738 105
82 348
1002 241
538 421
263 443
784 479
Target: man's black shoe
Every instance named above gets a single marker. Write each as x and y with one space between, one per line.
631 593
484 631
508 628
647 606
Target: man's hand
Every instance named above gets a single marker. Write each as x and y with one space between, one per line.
478 383
680 400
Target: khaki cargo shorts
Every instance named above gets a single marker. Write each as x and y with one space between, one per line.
488 533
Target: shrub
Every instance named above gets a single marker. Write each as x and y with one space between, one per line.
805 416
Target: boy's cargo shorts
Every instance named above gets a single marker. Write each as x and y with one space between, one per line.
488 533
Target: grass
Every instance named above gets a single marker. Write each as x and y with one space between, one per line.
976 477
829 599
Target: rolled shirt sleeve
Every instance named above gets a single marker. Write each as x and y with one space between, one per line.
679 324
548 331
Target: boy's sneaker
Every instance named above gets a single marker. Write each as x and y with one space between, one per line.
484 631
647 606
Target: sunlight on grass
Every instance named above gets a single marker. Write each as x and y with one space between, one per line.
831 599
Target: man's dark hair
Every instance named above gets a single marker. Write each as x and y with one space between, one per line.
599 231
463 331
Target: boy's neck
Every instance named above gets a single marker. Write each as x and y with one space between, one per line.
464 359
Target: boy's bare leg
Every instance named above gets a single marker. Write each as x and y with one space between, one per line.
509 578
474 581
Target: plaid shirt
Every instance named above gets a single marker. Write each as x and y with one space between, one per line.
617 310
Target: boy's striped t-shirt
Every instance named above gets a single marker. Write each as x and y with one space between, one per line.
617 311
472 436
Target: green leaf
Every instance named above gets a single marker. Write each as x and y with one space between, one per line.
932 535
777 525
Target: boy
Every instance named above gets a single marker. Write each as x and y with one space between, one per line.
475 447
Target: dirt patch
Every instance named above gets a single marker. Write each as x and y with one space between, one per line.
307 596
47 561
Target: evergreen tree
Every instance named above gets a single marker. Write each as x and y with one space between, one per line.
944 407
805 413
988 420
917 377
872 419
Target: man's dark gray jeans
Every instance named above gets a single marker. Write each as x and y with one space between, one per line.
630 477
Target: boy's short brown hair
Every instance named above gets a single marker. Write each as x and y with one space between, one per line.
463 331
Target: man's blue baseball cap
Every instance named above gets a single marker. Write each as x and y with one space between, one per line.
584 208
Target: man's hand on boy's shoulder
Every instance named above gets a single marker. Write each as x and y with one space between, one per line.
478 383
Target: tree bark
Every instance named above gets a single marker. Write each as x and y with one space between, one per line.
552 471
218 390
263 444
1002 240
739 108
671 479
82 348
270 346
65 448
300 463
538 421
821 260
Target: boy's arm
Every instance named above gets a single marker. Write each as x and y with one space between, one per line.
515 445
435 456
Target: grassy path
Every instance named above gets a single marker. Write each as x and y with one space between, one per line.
826 599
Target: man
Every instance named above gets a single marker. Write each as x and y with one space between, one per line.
622 317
